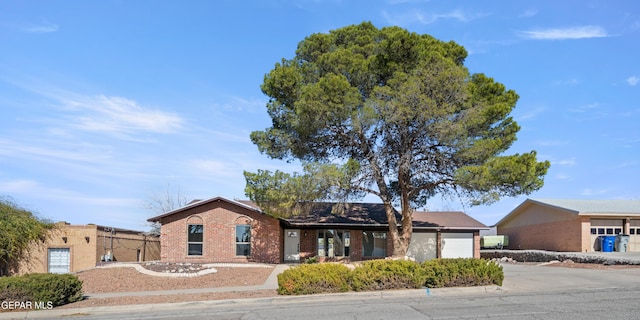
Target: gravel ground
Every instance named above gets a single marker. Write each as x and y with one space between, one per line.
127 279
105 280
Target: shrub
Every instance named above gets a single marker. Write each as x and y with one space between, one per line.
388 274
461 272
313 259
59 289
314 278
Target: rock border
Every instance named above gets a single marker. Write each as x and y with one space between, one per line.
210 269
549 256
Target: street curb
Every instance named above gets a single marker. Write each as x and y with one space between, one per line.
425 293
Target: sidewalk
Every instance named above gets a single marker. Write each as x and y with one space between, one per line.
270 284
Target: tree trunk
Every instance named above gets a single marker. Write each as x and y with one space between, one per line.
400 238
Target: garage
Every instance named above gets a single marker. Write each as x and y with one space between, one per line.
634 236
59 260
604 227
457 245
423 246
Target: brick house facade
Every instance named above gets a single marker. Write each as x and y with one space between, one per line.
220 220
571 225
222 230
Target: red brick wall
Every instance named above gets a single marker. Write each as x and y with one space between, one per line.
219 219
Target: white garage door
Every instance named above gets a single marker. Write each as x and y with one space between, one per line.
604 227
457 245
59 260
422 246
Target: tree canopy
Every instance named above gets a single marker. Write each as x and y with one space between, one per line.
394 114
18 229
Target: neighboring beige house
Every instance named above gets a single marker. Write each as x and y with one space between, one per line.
223 230
570 225
72 248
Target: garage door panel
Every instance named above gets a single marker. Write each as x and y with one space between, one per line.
605 227
423 246
457 245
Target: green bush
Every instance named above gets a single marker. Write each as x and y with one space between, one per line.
314 278
388 274
59 289
461 273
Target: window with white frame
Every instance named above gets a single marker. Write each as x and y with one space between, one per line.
194 239
243 240
334 243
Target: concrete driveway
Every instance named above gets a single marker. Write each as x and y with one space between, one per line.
540 278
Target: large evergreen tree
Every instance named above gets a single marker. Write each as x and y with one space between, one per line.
391 113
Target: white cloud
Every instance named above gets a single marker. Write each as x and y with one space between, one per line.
566 162
633 80
529 13
568 82
216 168
586 108
54 151
42 28
429 18
117 114
580 32
591 192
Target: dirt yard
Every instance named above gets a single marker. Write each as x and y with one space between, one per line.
127 279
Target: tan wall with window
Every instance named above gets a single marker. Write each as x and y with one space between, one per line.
85 244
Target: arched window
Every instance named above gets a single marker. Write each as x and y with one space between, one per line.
195 236
243 237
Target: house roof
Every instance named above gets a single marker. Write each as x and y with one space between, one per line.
583 207
352 214
446 220
197 203
373 214
594 206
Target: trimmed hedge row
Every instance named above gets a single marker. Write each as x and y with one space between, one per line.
59 289
388 274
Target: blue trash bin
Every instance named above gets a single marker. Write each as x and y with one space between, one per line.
607 243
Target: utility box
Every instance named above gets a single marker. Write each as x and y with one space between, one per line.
494 242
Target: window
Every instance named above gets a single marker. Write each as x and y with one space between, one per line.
334 243
632 231
594 231
609 230
617 231
374 244
243 240
600 230
194 239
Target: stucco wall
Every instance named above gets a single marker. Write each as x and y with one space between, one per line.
85 244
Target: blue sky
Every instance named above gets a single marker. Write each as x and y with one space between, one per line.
106 103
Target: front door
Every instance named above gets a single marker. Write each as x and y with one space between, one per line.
292 245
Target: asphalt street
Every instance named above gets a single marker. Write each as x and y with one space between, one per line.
528 292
